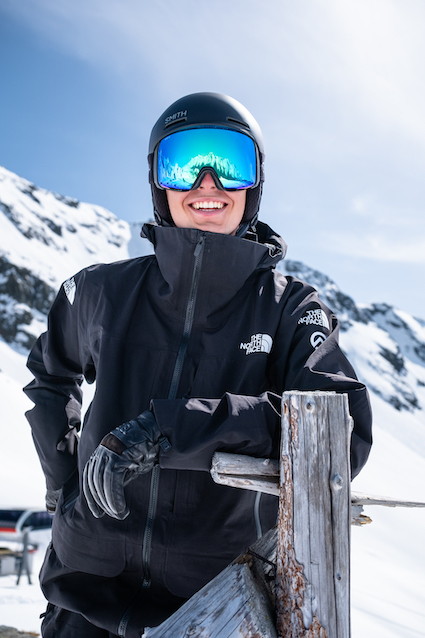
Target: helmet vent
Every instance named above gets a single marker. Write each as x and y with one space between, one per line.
233 119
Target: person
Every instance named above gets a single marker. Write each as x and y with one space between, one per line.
191 349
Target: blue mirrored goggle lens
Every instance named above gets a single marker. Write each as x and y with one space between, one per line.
183 154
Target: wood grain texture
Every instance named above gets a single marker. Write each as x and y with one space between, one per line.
313 552
237 603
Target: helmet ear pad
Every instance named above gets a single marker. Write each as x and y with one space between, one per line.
159 198
252 205
160 206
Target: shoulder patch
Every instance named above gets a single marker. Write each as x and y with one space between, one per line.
315 317
70 288
316 339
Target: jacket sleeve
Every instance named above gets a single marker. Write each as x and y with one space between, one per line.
197 428
55 362
311 359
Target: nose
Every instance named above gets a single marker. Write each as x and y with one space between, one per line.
207 182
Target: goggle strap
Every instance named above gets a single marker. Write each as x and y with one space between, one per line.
150 164
262 158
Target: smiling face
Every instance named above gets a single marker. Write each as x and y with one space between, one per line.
207 207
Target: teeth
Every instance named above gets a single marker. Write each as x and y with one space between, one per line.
207 205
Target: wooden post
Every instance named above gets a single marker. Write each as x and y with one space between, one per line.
313 553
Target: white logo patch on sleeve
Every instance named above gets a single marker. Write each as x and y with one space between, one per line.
259 343
70 287
315 317
316 339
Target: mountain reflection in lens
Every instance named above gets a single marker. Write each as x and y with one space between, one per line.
183 154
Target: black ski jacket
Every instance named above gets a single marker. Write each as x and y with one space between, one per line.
208 334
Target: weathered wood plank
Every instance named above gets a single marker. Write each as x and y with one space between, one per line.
261 558
246 472
340 426
223 475
387 501
357 516
240 465
262 475
237 603
312 585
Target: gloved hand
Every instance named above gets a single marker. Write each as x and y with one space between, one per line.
52 497
129 450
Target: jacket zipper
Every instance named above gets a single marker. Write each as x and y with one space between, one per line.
147 537
124 622
190 309
153 497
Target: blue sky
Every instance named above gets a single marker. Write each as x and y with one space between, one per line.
337 87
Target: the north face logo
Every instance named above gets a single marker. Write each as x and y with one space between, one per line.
315 317
258 343
70 287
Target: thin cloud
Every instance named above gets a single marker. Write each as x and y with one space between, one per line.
366 53
377 247
384 215
382 49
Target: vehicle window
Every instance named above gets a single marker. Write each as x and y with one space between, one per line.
39 520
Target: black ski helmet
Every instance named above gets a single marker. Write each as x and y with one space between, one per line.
206 109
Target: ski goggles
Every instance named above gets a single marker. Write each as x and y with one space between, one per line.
181 159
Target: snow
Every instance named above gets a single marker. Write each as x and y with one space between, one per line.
37 232
21 479
388 583
54 237
21 605
388 556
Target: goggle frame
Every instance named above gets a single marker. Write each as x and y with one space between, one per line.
198 178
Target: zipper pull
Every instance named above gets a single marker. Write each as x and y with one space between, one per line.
200 245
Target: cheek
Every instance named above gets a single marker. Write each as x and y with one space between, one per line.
175 202
239 200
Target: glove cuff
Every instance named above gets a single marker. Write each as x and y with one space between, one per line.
142 428
114 443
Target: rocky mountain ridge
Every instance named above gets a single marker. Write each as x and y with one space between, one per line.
45 237
387 344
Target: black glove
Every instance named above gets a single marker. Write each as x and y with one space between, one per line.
52 497
129 450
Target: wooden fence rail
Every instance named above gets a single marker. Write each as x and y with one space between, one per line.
262 475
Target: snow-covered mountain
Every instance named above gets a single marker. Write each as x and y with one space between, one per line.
387 343
45 238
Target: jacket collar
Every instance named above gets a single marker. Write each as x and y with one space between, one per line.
227 261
